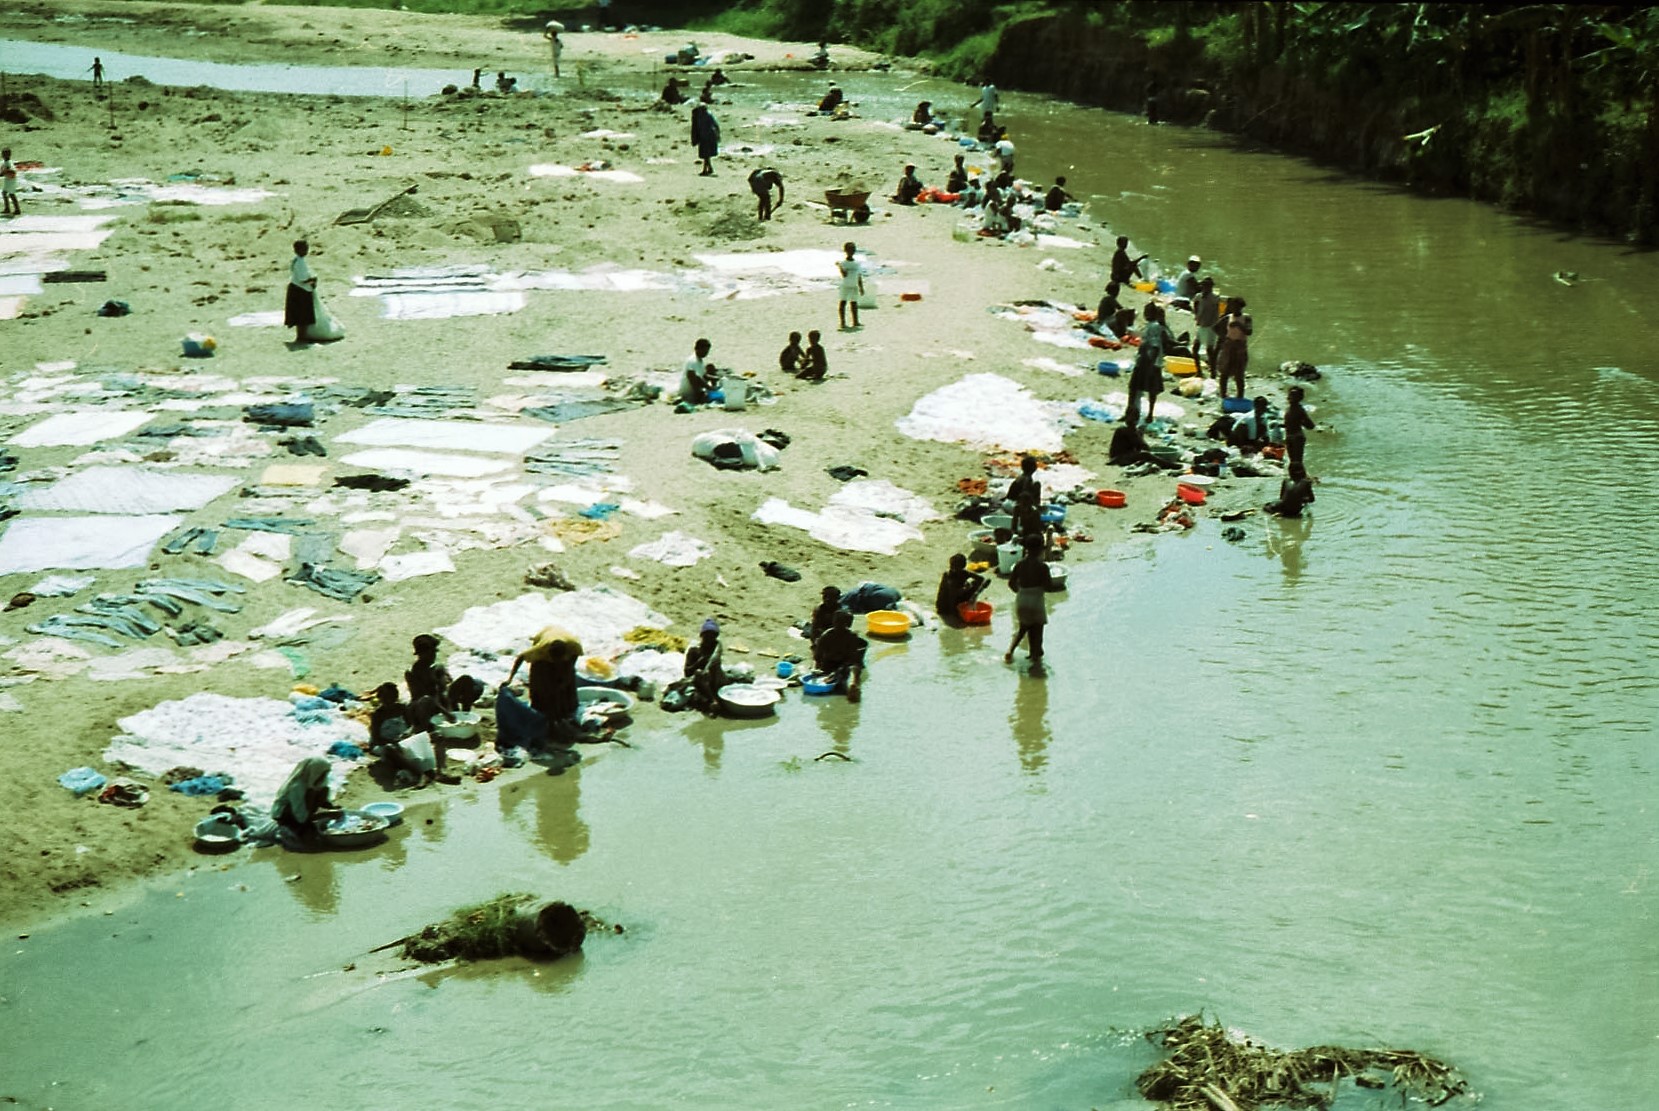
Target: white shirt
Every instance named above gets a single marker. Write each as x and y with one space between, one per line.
8 176
852 277
988 99
697 376
1005 150
299 272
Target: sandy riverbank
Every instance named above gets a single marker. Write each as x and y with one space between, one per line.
190 268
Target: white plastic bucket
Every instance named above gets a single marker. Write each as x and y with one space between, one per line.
737 393
1007 555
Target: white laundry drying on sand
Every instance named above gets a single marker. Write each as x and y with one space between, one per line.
673 549
448 435
598 616
990 413
849 528
257 740
90 426
129 490
82 543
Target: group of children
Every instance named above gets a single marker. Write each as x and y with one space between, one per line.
810 363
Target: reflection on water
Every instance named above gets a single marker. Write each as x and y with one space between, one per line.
560 830
1028 724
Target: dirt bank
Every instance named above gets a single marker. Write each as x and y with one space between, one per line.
189 268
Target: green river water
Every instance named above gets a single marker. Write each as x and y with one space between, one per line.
1382 777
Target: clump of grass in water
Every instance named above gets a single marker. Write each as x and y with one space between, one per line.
501 927
1208 1069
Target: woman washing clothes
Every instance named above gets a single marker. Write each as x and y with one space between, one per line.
302 805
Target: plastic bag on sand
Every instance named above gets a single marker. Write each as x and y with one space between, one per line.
756 454
990 413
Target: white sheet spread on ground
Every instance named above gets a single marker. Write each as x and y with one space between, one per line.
990 413
598 616
89 426
616 177
257 740
448 435
444 305
674 549
81 543
1043 362
130 490
841 526
410 565
405 461
1117 403
37 244
805 262
881 498
270 319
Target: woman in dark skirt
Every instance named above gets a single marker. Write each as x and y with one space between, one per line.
301 309
705 134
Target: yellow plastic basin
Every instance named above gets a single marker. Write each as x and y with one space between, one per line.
888 623
1179 366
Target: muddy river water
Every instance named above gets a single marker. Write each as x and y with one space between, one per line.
1385 776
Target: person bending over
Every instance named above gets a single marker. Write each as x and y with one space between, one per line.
957 587
761 183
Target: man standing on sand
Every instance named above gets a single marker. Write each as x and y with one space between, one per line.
8 186
551 34
852 285
761 183
97 74
1206 313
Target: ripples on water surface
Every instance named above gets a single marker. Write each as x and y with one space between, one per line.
1381 776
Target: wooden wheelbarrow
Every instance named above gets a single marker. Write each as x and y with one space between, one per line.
847 207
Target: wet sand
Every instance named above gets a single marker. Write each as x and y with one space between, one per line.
189 269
